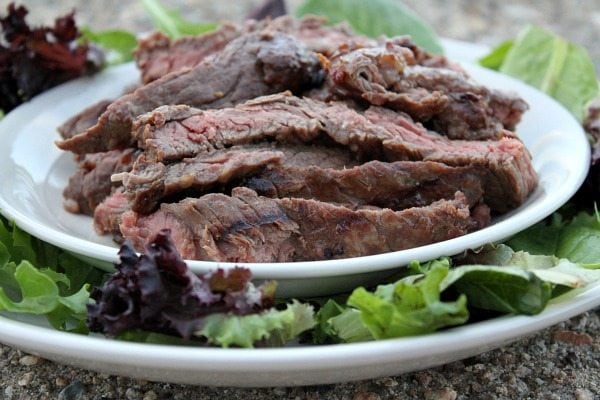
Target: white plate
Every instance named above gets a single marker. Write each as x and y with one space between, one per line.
34 173
307 365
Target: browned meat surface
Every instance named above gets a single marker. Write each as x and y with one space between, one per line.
157 55
83 120
91 182
171 133
446 99
396 185
252 65
245 227
149 183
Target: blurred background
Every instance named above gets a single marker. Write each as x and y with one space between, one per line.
482 21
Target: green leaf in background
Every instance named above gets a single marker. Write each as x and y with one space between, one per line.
411 306
118 43
272 327
495 59
375 18
172 23
549 62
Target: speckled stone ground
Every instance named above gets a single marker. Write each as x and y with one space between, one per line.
562 362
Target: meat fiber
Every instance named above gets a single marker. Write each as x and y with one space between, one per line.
171 133
245 227
252 65
107 215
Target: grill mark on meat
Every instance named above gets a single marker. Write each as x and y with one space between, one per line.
149 183
252 65
395 185
305 229
444 98
91 182
377 134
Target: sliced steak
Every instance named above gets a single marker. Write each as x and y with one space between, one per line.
446 99
91 182
171 133
157 55
83 120
397 185
149 183
107 215
252 65
249 228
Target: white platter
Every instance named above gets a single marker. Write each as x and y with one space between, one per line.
291 366
34 172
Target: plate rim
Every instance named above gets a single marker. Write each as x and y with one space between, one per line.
100 353
320 268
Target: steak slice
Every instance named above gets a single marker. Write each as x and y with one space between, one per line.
157 55
171 133
83 120
107 215
397 185
91 182
446 99
245 227
252 65
149 183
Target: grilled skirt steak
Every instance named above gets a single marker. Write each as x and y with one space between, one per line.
245 227
157 55
252 65
107 215
446 99
91 182
175 132
149 183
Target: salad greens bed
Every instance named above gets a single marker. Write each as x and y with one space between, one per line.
155 298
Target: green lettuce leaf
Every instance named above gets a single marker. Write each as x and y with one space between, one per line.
411 306
577 240
38 278
392 16
119 44
504 289
549 62
273 327
172 23
496 57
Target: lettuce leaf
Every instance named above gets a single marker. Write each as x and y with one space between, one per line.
172 23
271 327
549 62
577 240
119 44
34 280
411 306
375 18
